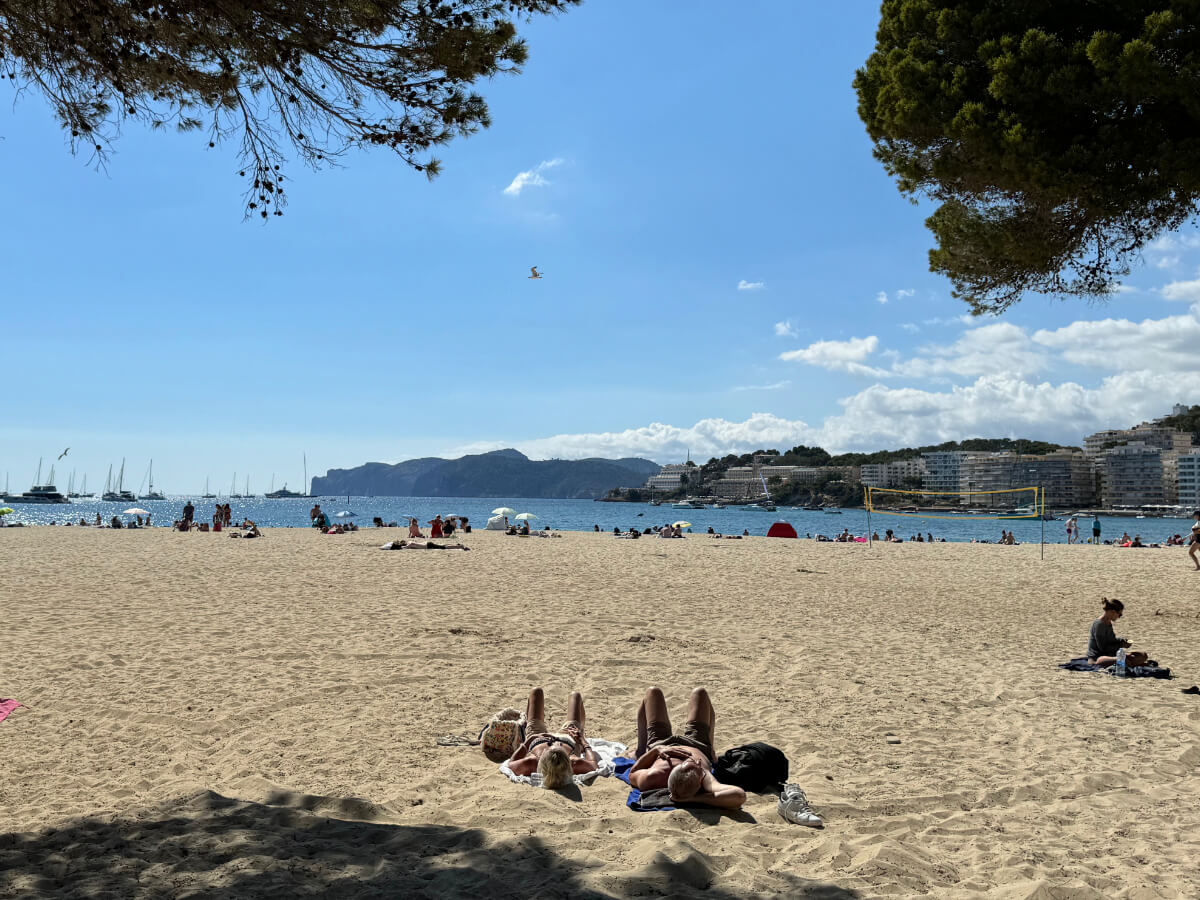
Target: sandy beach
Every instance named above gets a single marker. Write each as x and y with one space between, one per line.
210 717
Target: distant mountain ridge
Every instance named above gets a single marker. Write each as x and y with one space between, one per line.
500 473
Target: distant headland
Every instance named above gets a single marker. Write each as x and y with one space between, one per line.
500 473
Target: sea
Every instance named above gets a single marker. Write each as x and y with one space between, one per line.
586 515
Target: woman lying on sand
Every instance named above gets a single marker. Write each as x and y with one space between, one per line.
1103 642
555 756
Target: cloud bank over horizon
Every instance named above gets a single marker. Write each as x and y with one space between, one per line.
989 380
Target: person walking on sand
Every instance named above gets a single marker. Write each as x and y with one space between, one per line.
682 763
1194 540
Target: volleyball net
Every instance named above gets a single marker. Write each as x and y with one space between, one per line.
1012 503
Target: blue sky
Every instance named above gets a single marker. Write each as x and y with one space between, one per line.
726 267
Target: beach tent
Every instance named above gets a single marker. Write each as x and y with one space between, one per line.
781 529
496 523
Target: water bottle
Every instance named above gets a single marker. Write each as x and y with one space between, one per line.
1119 665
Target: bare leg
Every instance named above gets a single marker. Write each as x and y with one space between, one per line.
535 710
653 709
700 708
1192 553
575 711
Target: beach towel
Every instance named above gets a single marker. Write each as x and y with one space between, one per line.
7 707
647 801
1081 664
609 753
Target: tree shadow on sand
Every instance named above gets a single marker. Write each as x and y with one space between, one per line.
208 846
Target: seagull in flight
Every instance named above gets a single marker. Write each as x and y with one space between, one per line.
536 273
64 453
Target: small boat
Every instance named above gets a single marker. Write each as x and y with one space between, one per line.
765 505
687 504
282 494
153 495
207 495
833 511
718 506
656 503
812 508
117 494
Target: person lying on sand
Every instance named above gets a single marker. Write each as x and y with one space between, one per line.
1103 643
555 756
680 762
422 545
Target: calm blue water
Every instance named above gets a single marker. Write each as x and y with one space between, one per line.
581 515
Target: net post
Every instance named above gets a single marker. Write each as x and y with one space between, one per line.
867 504
1042 516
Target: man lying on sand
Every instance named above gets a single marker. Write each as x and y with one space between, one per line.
422 545
556 756
680 762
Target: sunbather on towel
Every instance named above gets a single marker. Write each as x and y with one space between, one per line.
680 762
1103 643
556 756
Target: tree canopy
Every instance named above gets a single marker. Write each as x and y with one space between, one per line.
1058 138
318 77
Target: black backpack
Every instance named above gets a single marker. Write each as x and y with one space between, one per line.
752 767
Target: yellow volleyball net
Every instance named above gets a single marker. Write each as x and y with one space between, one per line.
1012 503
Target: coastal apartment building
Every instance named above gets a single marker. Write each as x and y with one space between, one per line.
1065 477
899 473
746 482
672 477
943 470
1131 474
1188 474
1150 434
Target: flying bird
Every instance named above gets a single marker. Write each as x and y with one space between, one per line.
64 453
536 273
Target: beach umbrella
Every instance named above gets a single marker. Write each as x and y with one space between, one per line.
524 517
135 511
681 524
345 514
504 511
5 510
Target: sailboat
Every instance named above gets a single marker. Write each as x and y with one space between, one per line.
765 503
206 495
283 493
118 493
39 493
153 495
82 493
246 495
233 494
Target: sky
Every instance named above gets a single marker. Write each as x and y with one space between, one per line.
726 268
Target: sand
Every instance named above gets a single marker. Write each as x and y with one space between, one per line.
208 717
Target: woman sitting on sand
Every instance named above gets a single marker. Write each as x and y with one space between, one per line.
555 756
414 530
1103 642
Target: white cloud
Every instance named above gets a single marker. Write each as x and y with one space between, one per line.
785 329
905 292
881 297
777 386
1118 345
744 285
1167 262
839 356
531 178
1188 291
910 327
999 347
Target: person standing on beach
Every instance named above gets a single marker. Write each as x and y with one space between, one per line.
682 763
189 512
1095 529
1194 540
1072 530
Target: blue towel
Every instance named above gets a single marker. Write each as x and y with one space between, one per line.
1081 664
633 801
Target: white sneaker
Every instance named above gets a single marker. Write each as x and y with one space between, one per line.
793 807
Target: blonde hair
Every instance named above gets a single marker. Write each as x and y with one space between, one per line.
555 768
